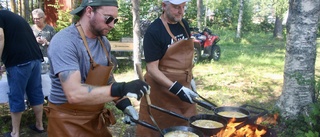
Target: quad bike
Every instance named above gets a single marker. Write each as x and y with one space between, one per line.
205 45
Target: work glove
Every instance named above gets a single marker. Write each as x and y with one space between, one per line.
184 93
193 85
135 88
126 107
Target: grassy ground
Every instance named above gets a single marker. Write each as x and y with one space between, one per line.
249 72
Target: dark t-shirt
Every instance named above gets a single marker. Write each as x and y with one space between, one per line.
20 44
157 39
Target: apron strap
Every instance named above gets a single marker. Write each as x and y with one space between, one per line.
169 31
78 25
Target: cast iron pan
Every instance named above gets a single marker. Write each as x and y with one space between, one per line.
233 109
182 128
208 105
164 131
208 131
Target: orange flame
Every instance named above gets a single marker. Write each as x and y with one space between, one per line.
248 130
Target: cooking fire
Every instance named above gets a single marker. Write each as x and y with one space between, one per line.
235 129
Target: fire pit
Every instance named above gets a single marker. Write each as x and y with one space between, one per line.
245 130
246 126
242 127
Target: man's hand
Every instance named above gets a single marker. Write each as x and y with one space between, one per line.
184 93
127 108
136 89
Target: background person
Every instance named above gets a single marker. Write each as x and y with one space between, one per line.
169 68
41 30
22 59
75 97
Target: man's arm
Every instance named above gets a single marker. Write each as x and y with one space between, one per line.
83 94
1 42
157 75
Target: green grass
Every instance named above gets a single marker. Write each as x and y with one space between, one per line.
248 72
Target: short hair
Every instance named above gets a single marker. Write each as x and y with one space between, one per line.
38 12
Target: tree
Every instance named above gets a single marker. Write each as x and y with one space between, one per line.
199 13
299 73
240 19
13 6
136 37
281 6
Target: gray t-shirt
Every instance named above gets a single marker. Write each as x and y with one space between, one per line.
47 32
67 52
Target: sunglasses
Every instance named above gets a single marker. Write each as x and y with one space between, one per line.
109 19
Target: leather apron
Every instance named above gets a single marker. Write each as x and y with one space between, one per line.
69 120
176 64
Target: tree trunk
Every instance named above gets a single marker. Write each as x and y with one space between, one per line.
26 10
299 72
13 6
136 36
277 32
23 9
199 14
238 35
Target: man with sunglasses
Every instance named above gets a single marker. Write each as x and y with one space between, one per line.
80 89
168 52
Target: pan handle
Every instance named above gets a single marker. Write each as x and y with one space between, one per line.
206 100
145 124
169 112
204 104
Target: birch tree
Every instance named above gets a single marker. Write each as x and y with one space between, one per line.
13 6
199 13
299 71
136 37
238 34
281 6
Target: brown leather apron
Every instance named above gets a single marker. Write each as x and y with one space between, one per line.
177 65
69 120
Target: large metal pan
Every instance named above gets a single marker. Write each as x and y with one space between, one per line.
183 128
170 129
230 109
205 131
208 105
208 131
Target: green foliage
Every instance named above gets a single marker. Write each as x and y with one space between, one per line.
148 11
304 126
227 14
64 16
191 13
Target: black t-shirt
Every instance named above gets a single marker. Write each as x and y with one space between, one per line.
157 39
20 44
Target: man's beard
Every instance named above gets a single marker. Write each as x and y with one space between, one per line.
172 18
94 30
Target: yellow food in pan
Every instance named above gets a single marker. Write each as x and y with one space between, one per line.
179 133
203 123
232 114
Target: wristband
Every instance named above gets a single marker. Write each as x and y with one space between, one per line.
116 89
176 88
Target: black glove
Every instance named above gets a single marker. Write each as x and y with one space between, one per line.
136 89
184 93
127 108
